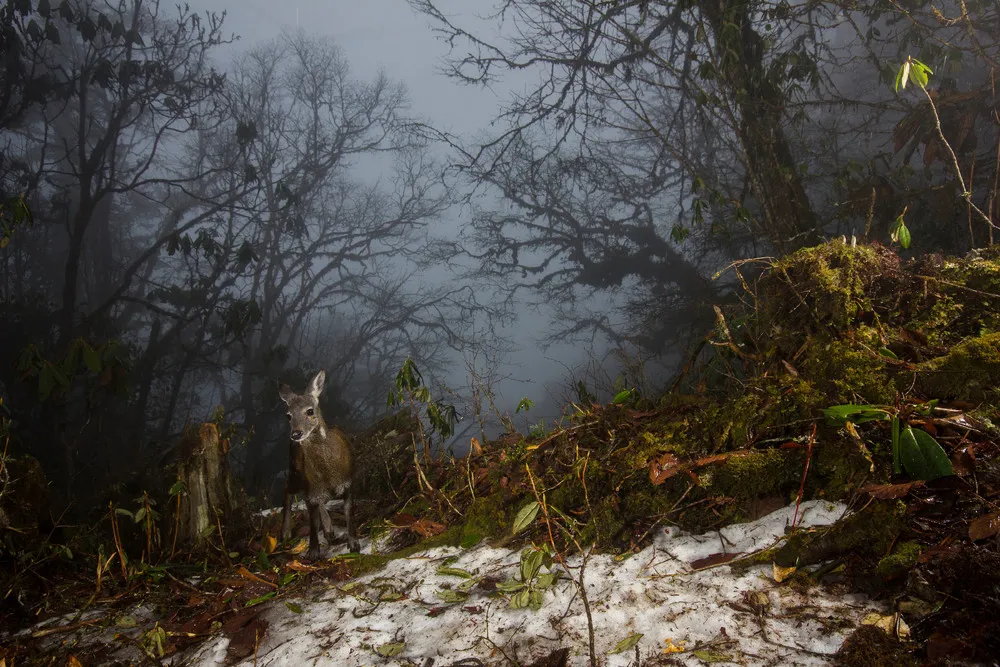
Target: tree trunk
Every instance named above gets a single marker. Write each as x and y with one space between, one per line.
209 502
789 221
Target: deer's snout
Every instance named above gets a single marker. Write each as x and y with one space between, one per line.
297 434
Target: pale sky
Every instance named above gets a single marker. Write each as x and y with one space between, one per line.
388 34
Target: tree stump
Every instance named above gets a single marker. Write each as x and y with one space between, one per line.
209 502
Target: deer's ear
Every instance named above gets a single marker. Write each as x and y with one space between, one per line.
285 392
316 385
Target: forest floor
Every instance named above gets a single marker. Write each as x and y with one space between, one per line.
820 486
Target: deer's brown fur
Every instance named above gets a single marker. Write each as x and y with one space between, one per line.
319 465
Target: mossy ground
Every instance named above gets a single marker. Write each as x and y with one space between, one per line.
828 325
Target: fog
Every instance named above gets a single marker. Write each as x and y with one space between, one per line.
536 203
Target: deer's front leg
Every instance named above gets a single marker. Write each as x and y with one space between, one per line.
314 521
286 514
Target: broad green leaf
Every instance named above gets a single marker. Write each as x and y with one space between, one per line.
510 586
263 598
535 599
627 643
922 456
903 76
547 579
622 397
531 563
450 596
859 414
712 657
454 572
520 600
886 352
292 607
391 649
526 516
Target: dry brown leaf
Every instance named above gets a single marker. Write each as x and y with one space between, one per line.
247 574
402 520
890 491
714 559
791 369
71 661
269 544
299 566
663 468
475 449
299 547
984 526
427 528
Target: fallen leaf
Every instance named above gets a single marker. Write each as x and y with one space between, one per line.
475 449
71 661
300 547
673 648
714 559
890 491
247 574
781 573
663 468
269 544
892 624
299 566
791 369
984 526
390 649
427 528
963 462
627 643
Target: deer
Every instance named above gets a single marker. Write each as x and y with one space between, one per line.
319 465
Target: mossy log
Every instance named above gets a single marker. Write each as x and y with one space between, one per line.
208 501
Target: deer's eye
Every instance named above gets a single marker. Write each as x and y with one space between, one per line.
310 412
289 415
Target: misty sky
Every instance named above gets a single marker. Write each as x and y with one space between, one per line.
388 34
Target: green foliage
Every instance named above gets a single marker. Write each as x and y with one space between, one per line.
524 404
103 367
912 69
13 213
916 451
409 388
627 644
526 516
625 396
899 232
858 414
922 456
527 590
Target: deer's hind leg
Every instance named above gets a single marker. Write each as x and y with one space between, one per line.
352 542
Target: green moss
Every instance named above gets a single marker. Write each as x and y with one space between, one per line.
970 370
824 287
902 558
485 517
606 521
849 372
754 474
839 465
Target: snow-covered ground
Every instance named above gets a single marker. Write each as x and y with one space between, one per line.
413 609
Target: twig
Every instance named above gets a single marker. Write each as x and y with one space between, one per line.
966 194
805 472
45 632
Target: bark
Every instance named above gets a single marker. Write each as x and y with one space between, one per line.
209 500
